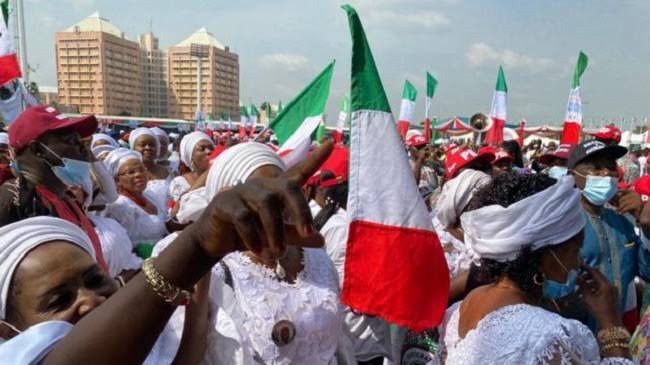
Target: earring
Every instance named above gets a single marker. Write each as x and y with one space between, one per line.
536 279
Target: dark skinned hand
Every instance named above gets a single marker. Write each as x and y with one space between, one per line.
600 296
627 201
267 213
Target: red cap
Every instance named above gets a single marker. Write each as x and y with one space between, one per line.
642 185
216 152
562 152
338 163
608 133
36 121
416 140
459 157
501 154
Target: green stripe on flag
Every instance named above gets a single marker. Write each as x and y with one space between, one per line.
581 66
243 111
309 103
5 11
501 81
254 111
367 91
409 93
432 83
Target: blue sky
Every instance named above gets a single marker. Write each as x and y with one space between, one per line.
283 44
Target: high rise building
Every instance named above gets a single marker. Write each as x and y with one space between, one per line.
219 78
98 68
100 71
153 67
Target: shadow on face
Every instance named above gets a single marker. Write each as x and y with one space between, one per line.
56 281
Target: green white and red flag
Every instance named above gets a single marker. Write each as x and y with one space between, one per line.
391 242
344 118
432 83
407 108
573 117
499 111
252 120
243 121
9 68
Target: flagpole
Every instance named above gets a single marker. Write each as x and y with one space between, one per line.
24 66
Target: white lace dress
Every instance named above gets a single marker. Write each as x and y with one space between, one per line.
522 334
141 226
178 187
158 193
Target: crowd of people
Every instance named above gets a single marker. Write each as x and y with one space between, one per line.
147 246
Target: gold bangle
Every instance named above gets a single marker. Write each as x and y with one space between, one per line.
613 334
169 292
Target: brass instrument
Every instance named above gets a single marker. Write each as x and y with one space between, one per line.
480 122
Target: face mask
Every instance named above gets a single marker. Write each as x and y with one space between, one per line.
557 172
73 172
554 290
600 189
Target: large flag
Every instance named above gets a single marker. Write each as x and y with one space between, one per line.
407 108
343 121
391 243
243 121
499 112
432 83
573 116
252 120
9 68
296 123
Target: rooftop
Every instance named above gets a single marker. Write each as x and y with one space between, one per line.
202 36
95 23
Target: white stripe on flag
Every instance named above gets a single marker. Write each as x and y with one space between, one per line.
406 110
499 106
297 146
574 107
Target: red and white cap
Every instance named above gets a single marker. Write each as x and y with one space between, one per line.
608 133
562 152
416 140
338 163
459 157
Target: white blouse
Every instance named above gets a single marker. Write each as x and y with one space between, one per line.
178 187
522 334
158 193
116 245
141 226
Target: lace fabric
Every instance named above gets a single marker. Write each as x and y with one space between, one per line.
522 334
311 303
178 187
141 226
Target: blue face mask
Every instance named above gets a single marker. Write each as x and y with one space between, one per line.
599 189
73 172
557 172
555 290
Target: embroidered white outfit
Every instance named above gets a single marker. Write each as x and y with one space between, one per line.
522 334
178 187
370 335
116 245
459 256
141 226
158 193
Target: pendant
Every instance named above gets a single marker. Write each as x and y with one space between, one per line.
279 271
283 333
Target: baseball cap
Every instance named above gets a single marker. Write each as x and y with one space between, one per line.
502 154
562 152
416 140
591 148
459 157
642 186
36 121
338 163
608 133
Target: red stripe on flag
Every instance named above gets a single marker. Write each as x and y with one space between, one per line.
9 68
397 273
570 133
403 127
427 129
494 136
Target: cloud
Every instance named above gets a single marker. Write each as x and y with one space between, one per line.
287 61
480 53
424 19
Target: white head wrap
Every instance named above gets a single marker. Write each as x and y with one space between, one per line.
234 165
142 131
159 132
18 239
103 137
118 157
457 193
100 151
547 218
4 138
188 143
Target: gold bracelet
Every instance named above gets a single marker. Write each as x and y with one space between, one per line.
613 334
169 292
622 345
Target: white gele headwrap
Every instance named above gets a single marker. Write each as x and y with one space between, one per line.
234 165
547 218
142 131
159 132
188 143
103 137
457 193
118 157
18 239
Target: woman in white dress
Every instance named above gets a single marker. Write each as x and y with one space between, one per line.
528 231
135 209
195 151
273 307
145 142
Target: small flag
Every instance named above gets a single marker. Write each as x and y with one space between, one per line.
295 125
573 116
343 121
252 120
243 121
9 68
391 242
407 108
499 112
432 83
280 107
